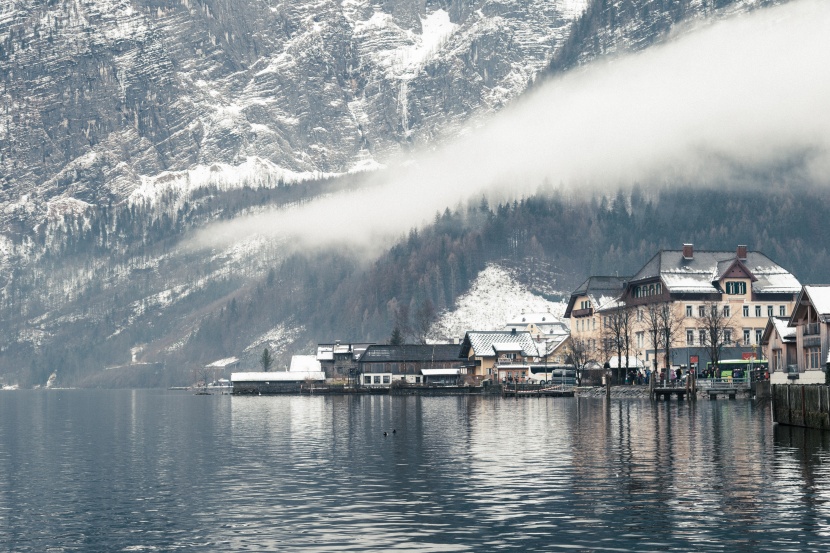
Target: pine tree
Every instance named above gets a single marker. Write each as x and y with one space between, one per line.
266 360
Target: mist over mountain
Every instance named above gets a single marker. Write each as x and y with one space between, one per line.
128 126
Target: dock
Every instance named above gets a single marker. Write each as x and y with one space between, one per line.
531 390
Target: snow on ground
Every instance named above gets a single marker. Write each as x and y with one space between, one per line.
254 172
494 298
276 340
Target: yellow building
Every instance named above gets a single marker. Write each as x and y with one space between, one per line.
745 288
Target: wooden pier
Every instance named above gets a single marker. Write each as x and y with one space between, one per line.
530 390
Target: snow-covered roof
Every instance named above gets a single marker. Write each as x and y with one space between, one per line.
307 363
788 334
481 342
820 298
222 363
325 353
700 273
815 295
278 376
440 372
507 347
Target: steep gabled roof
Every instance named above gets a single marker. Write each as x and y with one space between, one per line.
701 272
481 342
817 295
779 325
599 289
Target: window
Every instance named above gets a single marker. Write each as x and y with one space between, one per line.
701 311
811 357
690 337
367 379
386 379
782 311
377 379
769 311
688 310
702 337
640 315
746 336
417 380
640 339
736 288
746 311
759 334
726 311
594 321
757 310
727 335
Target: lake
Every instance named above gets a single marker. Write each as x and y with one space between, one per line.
158 470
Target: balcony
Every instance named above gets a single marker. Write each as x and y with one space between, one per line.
811 329
582 312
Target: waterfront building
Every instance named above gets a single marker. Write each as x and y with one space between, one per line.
418 364
339 360
779 346
498 353
743 288
811 321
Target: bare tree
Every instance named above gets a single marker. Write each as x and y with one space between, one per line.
670 325
424 316
653 328
717 326
578 353
617 326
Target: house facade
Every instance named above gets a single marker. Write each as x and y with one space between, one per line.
487 353
745 288
416 364
339 359
811 321
779 345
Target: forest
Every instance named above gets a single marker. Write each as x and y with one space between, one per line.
552 240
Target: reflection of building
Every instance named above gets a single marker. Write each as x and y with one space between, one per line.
381 364
486 351
811 320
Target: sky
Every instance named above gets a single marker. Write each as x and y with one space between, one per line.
750 91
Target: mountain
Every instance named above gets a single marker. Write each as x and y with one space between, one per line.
127 125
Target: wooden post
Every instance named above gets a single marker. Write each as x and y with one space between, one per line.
607 386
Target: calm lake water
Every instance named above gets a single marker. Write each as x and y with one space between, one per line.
171 471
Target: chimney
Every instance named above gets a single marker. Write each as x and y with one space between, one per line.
688 251
742 253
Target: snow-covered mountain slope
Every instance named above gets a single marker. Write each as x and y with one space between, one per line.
494 298
103 98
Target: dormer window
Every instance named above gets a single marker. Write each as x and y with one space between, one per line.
736 288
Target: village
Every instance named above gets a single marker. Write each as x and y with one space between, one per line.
726 318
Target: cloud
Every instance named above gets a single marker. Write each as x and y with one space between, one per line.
750 91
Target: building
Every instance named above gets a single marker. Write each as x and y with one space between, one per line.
779 345
811 321
584 310
278 382
497 353
415 364
743 287
339 360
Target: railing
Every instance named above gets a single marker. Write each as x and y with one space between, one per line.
811 329
723 383
582 312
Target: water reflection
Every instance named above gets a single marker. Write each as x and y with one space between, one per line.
106 471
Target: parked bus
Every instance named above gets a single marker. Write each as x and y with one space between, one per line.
552 374
740 369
